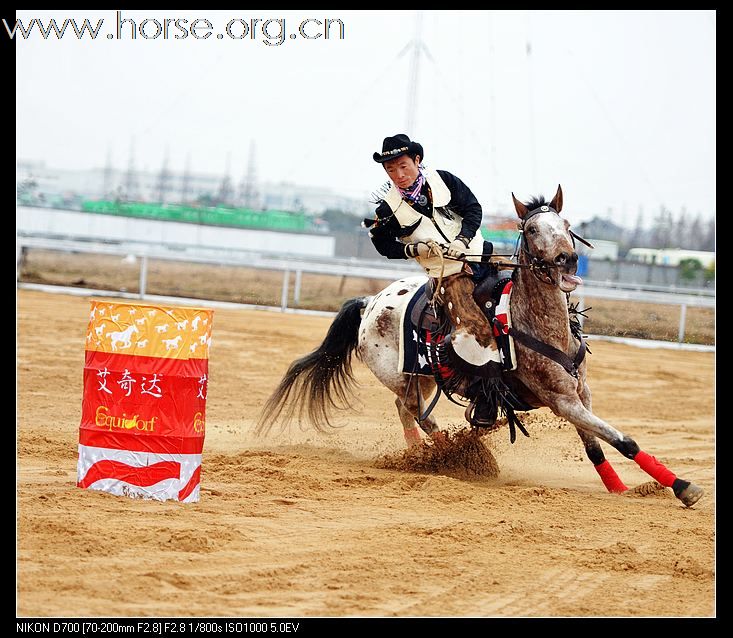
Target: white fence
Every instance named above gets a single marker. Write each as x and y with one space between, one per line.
369 269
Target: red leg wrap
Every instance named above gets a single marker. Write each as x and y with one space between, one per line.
654 468
609 477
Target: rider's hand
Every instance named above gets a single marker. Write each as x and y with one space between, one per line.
457 248
417 249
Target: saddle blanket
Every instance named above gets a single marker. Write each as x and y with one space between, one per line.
413 351
413 354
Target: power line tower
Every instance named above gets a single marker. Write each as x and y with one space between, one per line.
131 183
248 193
107 175
225 190
163 179
186 180
417 47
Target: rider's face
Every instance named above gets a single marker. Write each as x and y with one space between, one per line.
403 170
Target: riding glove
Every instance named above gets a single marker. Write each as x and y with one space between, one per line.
457 248
417 249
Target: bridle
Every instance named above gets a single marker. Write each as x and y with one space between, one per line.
541 268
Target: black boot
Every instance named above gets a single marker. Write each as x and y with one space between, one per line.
481 413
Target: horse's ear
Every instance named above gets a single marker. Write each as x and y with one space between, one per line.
556 202
522 210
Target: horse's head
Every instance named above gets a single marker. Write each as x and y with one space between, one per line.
547 242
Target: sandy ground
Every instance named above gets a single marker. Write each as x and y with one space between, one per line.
304 524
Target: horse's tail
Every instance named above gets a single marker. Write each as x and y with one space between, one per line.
320 380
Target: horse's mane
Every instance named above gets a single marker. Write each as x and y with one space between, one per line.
536 202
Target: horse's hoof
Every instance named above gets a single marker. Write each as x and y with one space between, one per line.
690 495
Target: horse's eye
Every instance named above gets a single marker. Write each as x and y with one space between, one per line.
532 230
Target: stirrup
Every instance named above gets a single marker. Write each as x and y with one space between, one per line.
486 420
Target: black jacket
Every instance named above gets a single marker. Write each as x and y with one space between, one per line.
385 230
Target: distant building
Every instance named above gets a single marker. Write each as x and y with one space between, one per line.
602 228
670 256
44 186
602 249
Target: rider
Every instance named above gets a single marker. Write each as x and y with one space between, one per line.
433 217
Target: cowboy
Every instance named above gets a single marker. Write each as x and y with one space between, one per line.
433 217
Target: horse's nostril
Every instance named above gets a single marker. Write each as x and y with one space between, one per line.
561 258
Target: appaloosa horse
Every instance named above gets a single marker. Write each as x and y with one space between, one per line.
547 264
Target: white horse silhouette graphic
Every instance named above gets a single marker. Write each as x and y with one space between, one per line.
161 329
170 344
142 344
122 337
181 325
99 330
140 321
192 347
195 323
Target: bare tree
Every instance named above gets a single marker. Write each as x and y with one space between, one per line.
637 238
696 229
709 234
680 238
662 229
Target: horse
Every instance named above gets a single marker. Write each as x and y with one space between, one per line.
545 275
124 336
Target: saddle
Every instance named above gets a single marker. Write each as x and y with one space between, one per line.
487 385
486 294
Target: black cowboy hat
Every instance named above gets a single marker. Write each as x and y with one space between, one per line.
394 147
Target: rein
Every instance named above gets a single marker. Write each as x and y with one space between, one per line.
551 352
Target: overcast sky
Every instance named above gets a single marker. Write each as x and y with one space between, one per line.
617 106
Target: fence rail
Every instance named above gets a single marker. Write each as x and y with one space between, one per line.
367 269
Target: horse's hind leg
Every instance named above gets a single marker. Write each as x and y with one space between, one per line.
573 410
595 453
410 429
407 406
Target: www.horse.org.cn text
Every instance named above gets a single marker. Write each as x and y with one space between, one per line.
268 31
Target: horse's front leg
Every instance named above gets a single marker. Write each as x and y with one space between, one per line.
595 453
572 409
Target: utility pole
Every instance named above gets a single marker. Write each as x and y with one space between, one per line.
492 118
530 82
